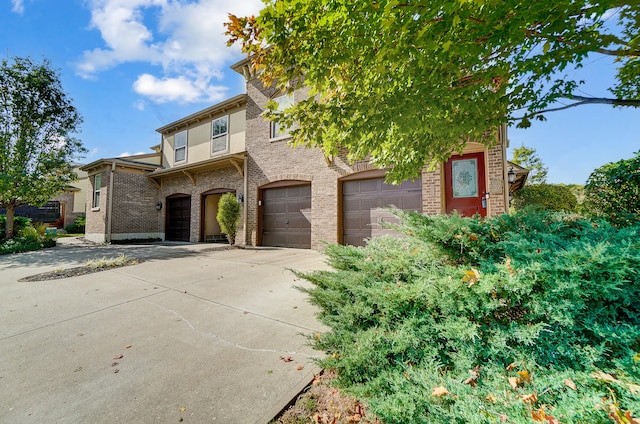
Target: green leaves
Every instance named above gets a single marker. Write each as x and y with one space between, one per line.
37 124
408 83
536 306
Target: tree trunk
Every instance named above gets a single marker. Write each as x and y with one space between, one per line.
8 231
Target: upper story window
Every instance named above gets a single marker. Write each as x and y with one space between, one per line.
284 102
180 146
97 182
219 134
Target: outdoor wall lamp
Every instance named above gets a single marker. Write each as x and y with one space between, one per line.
240 198
158 206
511 176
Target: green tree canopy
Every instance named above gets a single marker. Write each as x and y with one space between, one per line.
406 83
37 147
528 158
613 191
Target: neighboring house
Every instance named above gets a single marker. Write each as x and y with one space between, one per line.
291 197
172 194
61 210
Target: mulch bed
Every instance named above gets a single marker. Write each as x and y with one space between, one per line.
323 404
71 272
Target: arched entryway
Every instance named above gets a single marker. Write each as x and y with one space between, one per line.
178 222
209 227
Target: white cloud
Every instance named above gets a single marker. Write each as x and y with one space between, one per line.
184 38
180 89
18 6
125 154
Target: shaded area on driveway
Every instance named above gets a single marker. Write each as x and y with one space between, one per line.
207 333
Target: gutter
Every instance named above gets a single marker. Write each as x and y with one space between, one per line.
110 203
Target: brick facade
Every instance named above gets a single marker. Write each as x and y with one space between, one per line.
271 161
227 178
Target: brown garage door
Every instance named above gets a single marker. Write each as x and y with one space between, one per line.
286 216
178 218
363 202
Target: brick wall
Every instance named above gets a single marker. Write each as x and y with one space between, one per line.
497 204
270 161
134 200
226 178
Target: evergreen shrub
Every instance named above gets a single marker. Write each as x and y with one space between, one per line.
531 317
229 215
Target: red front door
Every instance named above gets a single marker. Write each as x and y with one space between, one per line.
465 185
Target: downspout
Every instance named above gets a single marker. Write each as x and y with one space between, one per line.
244 205
505 178
110 204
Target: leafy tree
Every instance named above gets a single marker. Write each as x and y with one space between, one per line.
228 216
406 83
551 197
613 191
529 159
37 121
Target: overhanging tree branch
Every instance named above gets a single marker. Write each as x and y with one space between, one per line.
584 101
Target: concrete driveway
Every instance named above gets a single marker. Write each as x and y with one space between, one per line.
190 335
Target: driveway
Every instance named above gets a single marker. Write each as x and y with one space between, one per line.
189 335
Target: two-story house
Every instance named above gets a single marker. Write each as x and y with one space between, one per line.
296 198
291 197
172 194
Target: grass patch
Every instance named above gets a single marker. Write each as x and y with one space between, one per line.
104 262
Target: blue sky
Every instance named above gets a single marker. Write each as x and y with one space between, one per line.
132 66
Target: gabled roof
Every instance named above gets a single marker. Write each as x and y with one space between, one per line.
208 113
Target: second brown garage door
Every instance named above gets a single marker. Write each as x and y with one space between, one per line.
363 203
286 216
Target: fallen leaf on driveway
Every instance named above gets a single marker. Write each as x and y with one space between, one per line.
128 346
116 371
114 364
286 358
300 367
183 409
118 356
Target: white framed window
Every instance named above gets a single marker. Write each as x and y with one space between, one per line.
219 134
97 182
284 102
180 146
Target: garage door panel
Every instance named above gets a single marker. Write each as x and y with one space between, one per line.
363 209
286 216
178 222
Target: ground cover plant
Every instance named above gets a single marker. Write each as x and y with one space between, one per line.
29 237
531 317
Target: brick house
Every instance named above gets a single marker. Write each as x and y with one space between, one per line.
297 198
291 197
171 194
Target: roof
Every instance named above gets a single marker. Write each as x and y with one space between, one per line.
234 159
207 113
123 162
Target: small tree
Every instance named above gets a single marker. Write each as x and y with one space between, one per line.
528 158
37 149
613 191
229 216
